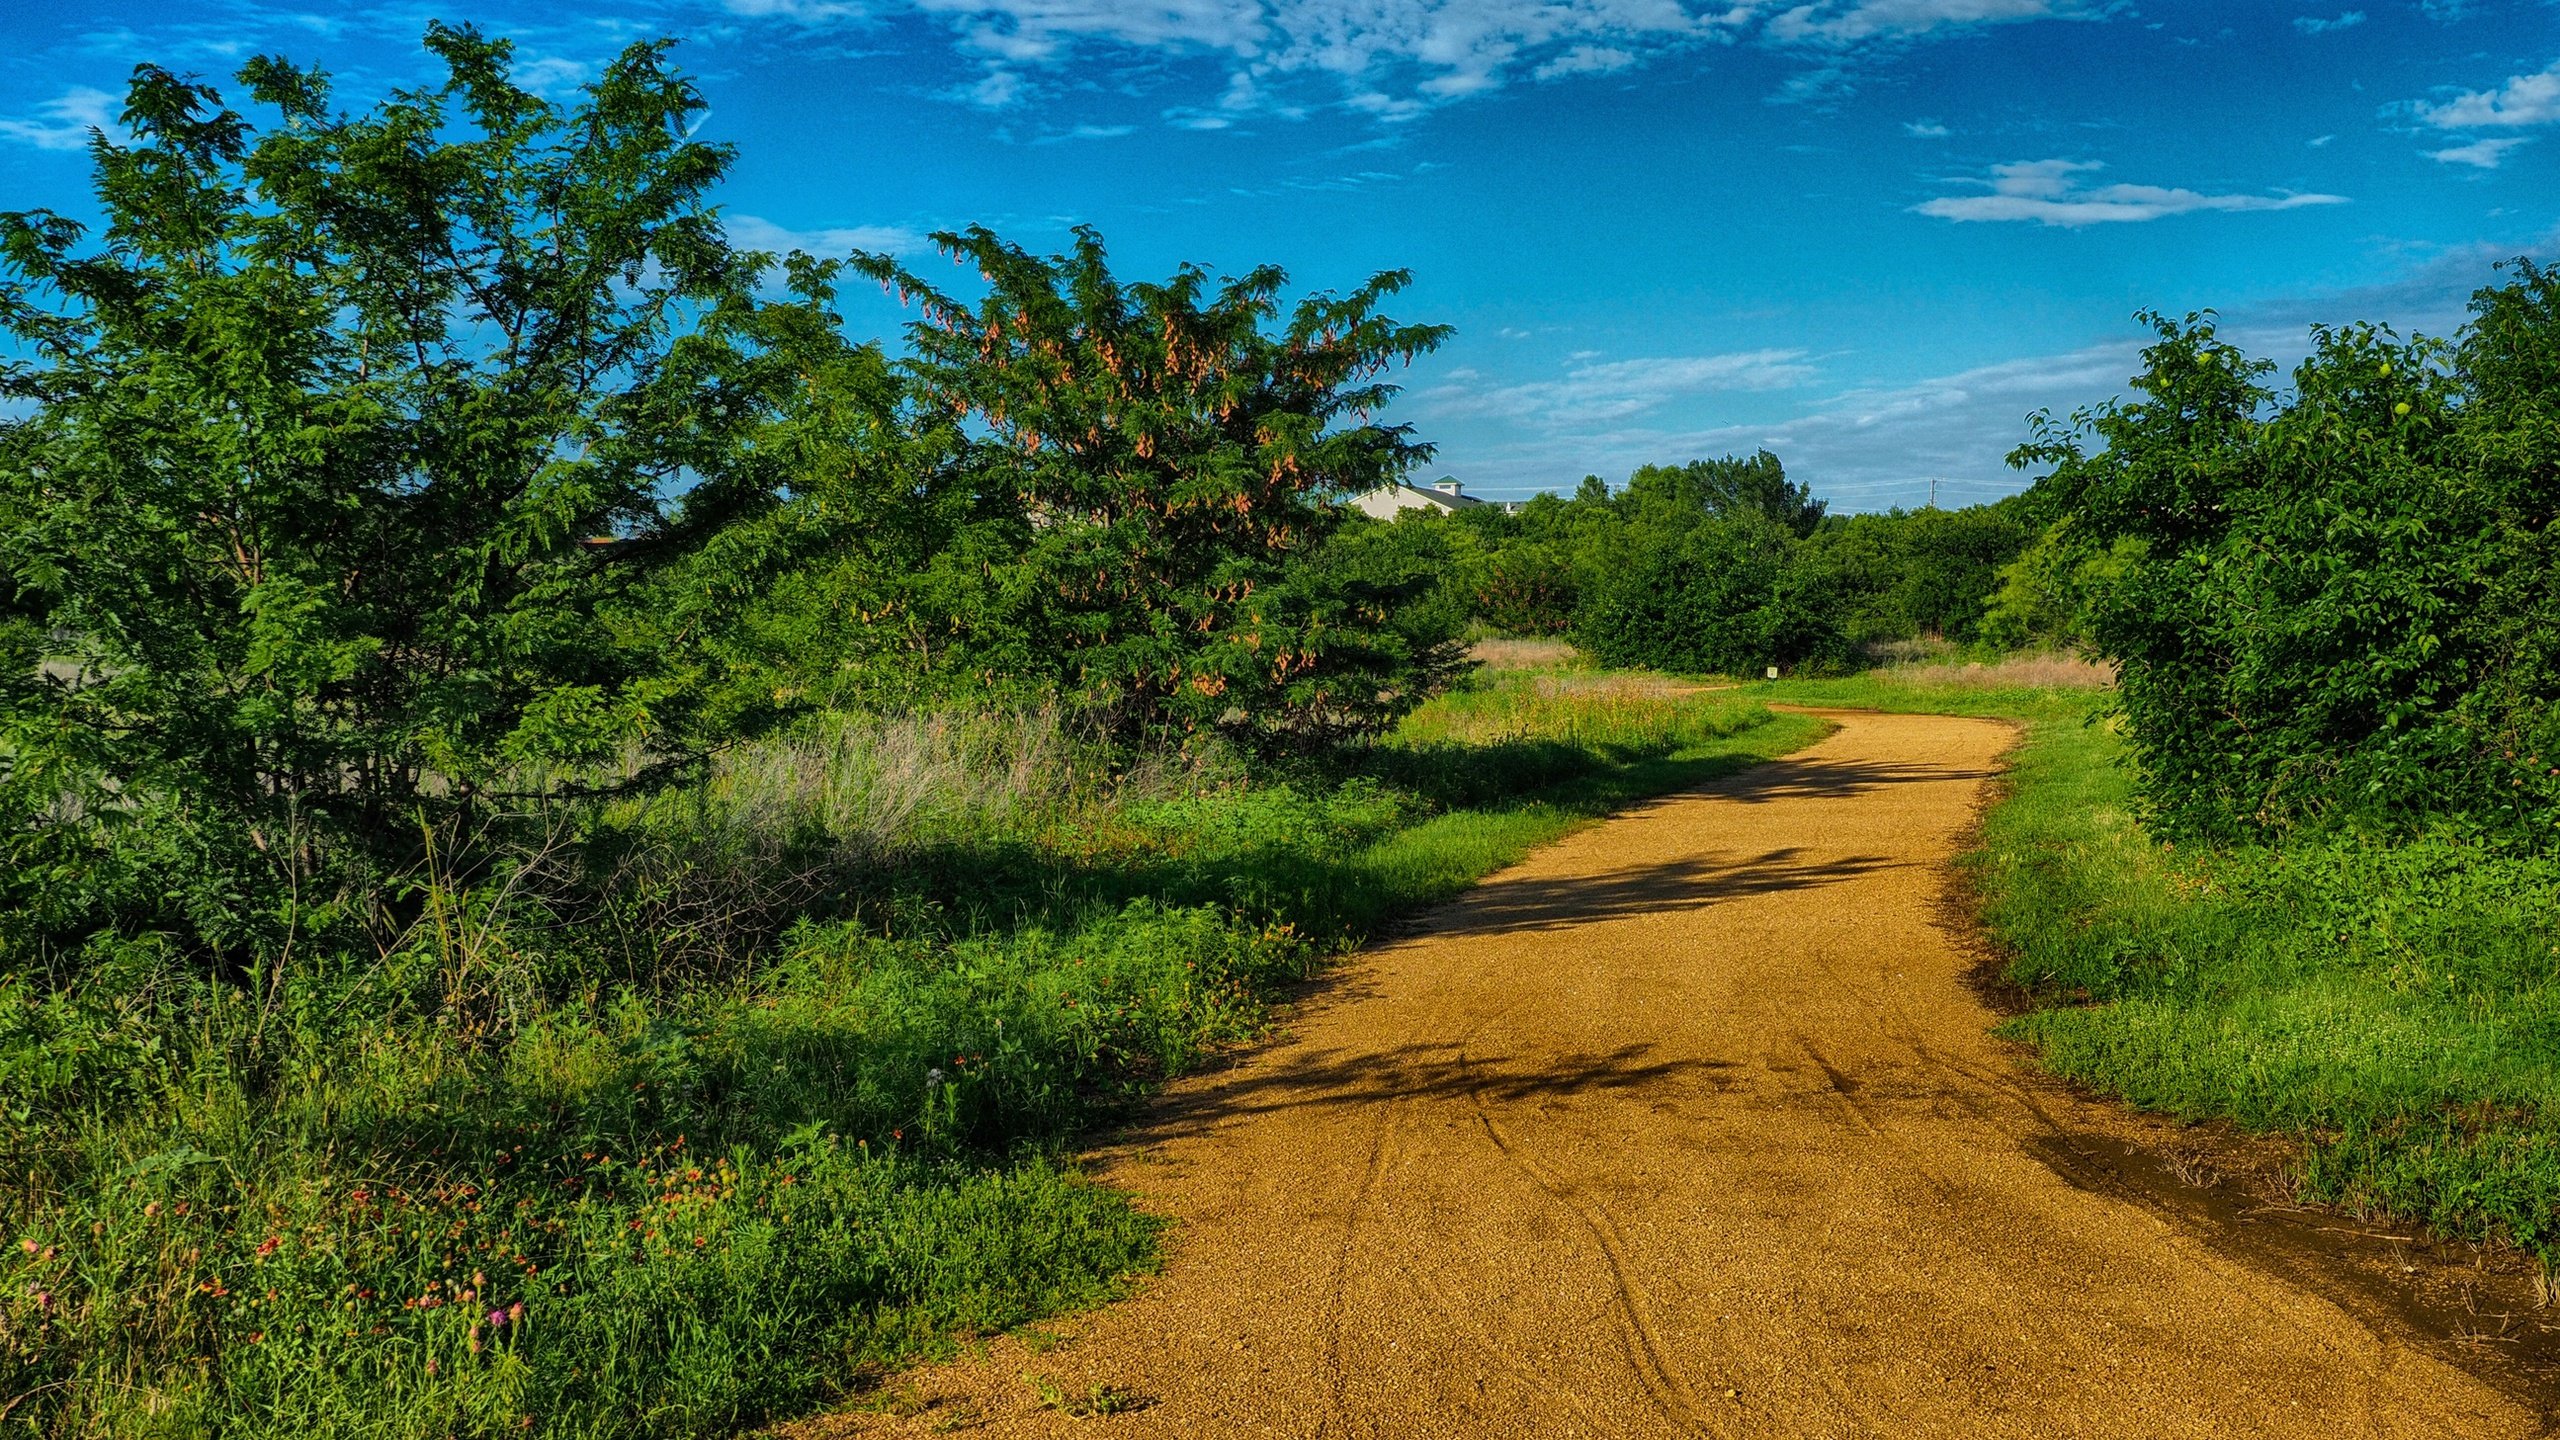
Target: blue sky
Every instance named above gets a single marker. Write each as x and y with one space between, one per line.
1869 234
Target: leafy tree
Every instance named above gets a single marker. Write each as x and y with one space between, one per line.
1727 596
1677 496
1164 458
331 458
1905 574
2342 593
2050 593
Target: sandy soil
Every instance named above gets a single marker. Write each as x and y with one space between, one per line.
1690 1124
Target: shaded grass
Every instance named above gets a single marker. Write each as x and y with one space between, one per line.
721 1104
2392 1002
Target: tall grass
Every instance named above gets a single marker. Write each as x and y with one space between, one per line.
711 1106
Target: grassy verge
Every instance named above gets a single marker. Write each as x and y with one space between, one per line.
2394 1004
709 1108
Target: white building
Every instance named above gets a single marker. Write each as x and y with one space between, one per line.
1388 501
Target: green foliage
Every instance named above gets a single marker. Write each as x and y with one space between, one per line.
1729 596
1906 574
725 1179
2049 595
335 454
2341 606
1156 459
1675 497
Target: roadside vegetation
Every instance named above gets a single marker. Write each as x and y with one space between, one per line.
580 847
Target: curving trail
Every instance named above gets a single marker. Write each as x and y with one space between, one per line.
1689 1125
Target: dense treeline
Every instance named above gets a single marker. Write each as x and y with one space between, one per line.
1729 566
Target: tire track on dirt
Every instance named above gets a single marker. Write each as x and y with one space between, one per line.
1693 1120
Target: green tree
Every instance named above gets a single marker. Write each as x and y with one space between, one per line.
1164 458
2341 596
1730 596
1678 496
333 455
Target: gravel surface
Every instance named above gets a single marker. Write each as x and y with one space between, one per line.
1689 1125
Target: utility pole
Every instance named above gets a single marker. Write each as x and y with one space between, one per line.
1933 492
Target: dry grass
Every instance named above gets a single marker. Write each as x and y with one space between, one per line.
2019 672
1512 654
1592 709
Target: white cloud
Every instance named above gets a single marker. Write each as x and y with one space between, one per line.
2050 192
552 75
1925 130
1586 60
1596 392
754 232
2314 25
2522 100
1848 22
66 120
1397 58
2484 154
808 12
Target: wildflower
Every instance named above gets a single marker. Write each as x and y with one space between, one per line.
932 1079
515 1313
499 1319
44 1299
27 1245
268 1246
431 1367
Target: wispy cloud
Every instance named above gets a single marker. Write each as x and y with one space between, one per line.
65 122
2051 192
2315 25
1586 60
754 232
2523 100
2484 154
1596 392
1849 22
1395 59
1925 130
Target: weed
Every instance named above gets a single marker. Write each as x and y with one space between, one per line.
1090 1403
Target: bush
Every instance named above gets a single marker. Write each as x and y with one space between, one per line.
2341 608
337 455
1727 597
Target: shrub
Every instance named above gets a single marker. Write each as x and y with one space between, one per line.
1730 597
2342 606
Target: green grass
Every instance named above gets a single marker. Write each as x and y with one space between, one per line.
2393 1003
725 1102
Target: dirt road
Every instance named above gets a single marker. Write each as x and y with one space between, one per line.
1689 1125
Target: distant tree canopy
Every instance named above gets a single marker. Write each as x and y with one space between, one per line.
1730 565
2340 601
1676 496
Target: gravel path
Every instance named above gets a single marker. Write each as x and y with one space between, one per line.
1689 1125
